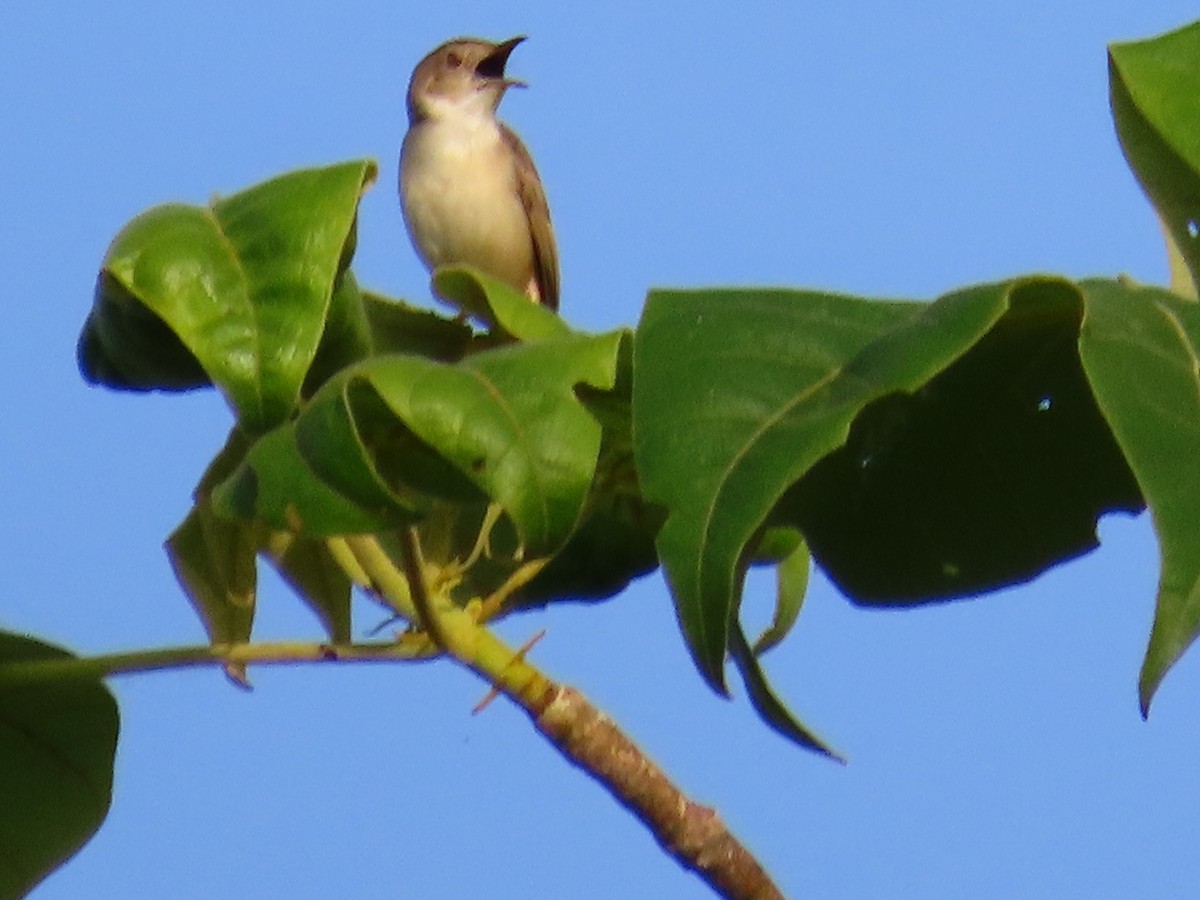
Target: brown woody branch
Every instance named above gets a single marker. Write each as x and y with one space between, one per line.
693 834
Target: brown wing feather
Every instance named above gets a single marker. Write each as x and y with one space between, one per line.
537 212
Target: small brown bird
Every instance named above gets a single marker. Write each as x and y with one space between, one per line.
468 186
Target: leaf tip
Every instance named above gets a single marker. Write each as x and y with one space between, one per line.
236 673
1147 688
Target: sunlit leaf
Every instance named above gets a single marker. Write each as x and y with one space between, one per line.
384 439
509 421
1154 87
614 540
787 548
1141 350
236 293
497 304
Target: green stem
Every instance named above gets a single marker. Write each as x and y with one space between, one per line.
345 558
276 653
428 618
384 578
494 603
457 632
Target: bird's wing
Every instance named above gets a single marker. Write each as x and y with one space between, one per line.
537 213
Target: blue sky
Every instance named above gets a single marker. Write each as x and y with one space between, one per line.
879 148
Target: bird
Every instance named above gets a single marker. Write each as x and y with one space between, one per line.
469 190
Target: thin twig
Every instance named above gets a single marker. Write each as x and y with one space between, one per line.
411 557
257 654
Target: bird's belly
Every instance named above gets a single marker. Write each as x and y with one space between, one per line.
461 207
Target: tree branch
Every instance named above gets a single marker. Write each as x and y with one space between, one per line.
693 834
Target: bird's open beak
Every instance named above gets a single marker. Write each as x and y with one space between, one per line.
492 66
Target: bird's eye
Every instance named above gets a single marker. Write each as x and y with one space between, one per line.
453 60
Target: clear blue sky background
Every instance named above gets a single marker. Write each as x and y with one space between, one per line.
875 147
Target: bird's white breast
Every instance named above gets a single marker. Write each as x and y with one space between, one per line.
459 194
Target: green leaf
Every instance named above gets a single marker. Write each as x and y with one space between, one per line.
1154 88
278 485
397 327
1141 351
347 337
312 572
387 437
614 540
977 480
925 452
768 706
787 548
215 561
772 381
1179 276
509 421
497 304
239 290
214 554
58 739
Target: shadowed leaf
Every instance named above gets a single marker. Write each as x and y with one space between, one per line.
994 470
768 706
312 572
772 381
215 560
925 452
58 739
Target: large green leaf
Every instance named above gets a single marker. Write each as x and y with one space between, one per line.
236 293
58 738
996 468
1141 350
738 393
1154 87
925 452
